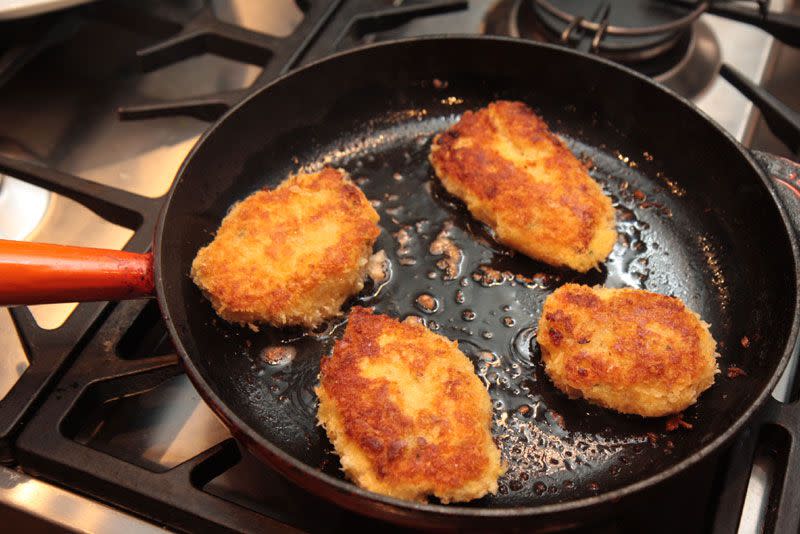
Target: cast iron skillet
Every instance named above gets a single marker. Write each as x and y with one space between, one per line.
697 219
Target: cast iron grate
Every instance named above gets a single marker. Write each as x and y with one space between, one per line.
174 497
326 27
49 350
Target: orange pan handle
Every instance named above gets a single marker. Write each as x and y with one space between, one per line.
39 273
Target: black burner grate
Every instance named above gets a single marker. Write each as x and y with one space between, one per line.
318 35
49 350
174 497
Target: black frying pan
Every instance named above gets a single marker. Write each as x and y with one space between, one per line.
698 219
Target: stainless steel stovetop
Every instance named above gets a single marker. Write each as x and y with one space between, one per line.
62 111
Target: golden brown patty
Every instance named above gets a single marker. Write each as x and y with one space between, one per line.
406 413
519 178
290 256
630 350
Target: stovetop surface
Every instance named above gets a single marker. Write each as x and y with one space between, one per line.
119 418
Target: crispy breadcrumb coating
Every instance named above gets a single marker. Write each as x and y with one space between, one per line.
292 255
406 412
518 177
630 350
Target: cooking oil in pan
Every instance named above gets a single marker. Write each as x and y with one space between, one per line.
447 270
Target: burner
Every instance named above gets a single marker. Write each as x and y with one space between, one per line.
622 30
690 72
22 207
685 58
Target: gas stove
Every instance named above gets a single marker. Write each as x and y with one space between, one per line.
99 428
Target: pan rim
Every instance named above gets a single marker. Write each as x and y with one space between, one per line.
289 466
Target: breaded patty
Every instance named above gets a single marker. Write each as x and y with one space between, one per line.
630 350
292 255
516 176
406 412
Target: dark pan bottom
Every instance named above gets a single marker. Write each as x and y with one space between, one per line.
556 448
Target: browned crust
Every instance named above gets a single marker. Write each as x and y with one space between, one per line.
518 177
291 255
420 425
631 350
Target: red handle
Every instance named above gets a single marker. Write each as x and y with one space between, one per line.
38 273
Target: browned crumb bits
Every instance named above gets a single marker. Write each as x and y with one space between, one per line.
677 421
427 303
734 371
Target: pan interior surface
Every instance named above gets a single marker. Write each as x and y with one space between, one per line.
694 221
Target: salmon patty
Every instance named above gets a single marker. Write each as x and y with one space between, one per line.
406 412
630 350
292 255
519 178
